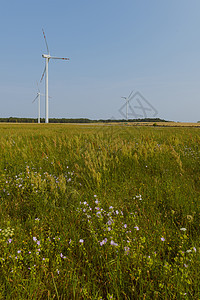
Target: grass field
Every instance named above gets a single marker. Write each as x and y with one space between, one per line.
99 212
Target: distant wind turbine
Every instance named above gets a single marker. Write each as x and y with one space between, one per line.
127 101
38 97
47 58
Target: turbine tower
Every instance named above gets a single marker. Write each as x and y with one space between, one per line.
127 101
38 97
47 58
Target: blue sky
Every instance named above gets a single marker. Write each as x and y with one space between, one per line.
114 46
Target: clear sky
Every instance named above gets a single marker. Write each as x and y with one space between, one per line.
114 46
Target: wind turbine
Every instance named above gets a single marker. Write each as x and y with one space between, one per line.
47 58
38 97
127 101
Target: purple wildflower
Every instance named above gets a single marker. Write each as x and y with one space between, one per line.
113 243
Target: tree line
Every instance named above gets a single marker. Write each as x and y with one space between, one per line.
76 120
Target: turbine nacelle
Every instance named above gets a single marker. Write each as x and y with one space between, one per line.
46 56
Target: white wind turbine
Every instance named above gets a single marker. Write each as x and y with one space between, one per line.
127 101
38 97
47 58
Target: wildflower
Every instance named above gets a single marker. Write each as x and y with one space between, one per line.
162 239
85 203
38 243
35 239
194 249
136 227
57 271
113 243
103 242
109 229
9 241
125 225
61 255
111 207
126 249
81 241
19 251
95 196
96 201
117 212
183 229
110 222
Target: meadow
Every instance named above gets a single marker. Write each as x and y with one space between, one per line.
99 212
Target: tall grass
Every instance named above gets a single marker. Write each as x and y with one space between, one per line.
90 212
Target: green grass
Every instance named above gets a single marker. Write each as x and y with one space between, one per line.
99 212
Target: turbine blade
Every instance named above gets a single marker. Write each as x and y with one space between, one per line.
45 41
38 86
35 98
43 74
131 97
130 94
64 58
